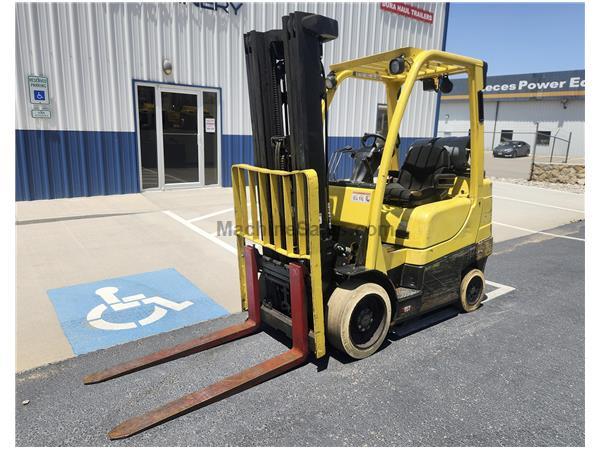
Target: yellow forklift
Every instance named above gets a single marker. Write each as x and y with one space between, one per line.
336 246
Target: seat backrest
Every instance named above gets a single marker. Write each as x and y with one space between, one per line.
423 161
458 152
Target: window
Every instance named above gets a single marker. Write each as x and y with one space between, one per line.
543 137
146 109
382 119
506 135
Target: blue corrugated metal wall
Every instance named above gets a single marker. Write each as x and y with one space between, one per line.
235 149
58 164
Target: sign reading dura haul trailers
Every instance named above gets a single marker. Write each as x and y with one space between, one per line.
407 10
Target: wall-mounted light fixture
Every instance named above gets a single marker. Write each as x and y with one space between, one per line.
167 66
564 102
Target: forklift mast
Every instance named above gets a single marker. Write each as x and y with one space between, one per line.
286 83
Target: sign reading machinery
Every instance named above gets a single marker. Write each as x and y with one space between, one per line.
222 6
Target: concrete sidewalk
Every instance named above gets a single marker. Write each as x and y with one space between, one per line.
71 241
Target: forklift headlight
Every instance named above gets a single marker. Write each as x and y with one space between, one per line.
330 81
396 65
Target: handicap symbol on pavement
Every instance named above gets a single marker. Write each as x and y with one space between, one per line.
108 294
109 312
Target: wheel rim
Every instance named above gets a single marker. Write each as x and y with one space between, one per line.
367 321
474 290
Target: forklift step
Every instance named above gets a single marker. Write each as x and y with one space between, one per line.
404 293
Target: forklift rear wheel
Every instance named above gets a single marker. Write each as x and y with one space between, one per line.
472 290
358 319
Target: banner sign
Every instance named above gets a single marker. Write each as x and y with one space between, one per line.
407 10
568 82
226 7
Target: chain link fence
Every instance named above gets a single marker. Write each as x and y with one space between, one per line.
524 148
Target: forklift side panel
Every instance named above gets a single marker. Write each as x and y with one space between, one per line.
425 225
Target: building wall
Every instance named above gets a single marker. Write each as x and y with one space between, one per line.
520 116
92 52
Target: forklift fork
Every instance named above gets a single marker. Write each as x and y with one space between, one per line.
233 384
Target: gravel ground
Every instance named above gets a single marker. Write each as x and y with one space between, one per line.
508 374
576 188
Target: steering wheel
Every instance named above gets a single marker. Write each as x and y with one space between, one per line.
376 137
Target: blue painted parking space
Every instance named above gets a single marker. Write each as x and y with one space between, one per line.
105 313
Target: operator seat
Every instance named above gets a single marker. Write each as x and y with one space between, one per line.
424 176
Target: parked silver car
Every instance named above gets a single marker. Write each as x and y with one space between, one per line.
512 149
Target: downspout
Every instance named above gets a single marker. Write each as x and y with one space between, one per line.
495 123
439 95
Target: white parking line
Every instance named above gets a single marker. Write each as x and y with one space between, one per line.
545 205
538 232
501 289
213 214
201 232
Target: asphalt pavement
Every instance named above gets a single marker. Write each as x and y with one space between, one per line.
509 374
515 168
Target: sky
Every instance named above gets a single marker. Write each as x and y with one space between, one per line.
519 37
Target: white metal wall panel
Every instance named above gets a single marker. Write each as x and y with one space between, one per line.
92 52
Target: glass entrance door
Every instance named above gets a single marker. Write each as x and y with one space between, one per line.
210 151
178 136
146 113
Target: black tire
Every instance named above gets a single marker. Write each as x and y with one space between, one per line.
472 290
513 154
358 319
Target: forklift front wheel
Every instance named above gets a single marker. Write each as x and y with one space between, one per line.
472 290
358 319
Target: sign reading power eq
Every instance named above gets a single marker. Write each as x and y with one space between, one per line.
38 89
